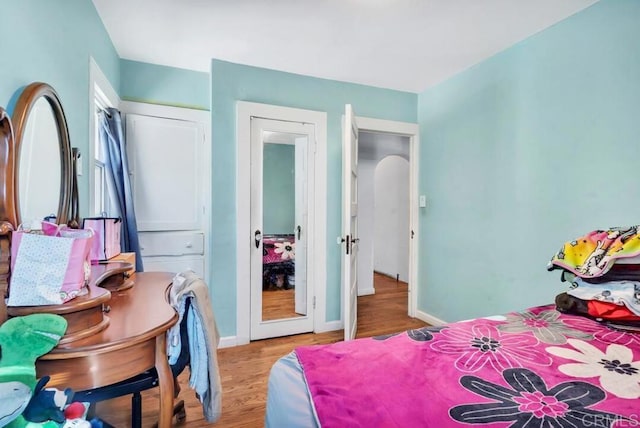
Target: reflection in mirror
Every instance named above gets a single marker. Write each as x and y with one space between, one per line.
284 216
43 175
39 165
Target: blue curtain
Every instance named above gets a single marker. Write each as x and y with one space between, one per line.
114 152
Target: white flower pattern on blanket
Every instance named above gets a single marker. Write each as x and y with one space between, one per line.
547 326
287 250
483 344
615 368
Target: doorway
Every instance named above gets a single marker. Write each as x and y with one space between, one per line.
383 195
384 138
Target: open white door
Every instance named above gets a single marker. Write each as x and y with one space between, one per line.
350 223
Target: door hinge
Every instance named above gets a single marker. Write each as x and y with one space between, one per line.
314 302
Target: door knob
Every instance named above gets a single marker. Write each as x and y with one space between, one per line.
257 236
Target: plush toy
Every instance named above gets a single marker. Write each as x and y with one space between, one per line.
75 410
48 404
22 341
14 397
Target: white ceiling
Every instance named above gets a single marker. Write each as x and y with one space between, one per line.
406 45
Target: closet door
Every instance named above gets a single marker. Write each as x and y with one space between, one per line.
281 164
164 157
167 162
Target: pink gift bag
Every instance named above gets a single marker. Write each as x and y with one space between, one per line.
49 269
106 242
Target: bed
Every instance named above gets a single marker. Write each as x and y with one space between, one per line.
278 262
534 368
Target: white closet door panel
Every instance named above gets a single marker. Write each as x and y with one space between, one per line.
171 243
174 264
165 158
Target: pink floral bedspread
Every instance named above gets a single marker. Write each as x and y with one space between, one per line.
278 249
536 368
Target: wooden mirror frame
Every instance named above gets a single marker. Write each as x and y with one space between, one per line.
7 208
10 144
20 117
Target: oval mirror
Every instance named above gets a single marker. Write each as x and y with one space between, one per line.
43 156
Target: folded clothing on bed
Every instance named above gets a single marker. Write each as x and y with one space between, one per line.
603 268
593 254
619 271
622 293
596 309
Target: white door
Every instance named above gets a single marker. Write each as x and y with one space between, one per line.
281 164
350 223
167 148
166 158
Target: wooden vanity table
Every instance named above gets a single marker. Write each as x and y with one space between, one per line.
116 331
128 336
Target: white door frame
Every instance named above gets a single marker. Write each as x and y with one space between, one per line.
317 247
412 131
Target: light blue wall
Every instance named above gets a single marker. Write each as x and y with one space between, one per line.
51 41
234 82
520 153
279 192
529 149
157 84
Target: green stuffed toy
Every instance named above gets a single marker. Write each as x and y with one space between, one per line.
22 341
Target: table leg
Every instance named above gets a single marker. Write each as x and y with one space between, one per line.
165 382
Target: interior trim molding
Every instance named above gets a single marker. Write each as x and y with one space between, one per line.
367 292
228 342
429 319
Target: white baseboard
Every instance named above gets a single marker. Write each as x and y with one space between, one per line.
429 319
366 292
229 342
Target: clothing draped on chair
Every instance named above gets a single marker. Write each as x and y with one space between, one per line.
203 337
112 144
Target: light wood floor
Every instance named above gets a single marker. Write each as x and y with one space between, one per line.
279 304
244 369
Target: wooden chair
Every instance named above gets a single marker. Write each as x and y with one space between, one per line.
142 382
